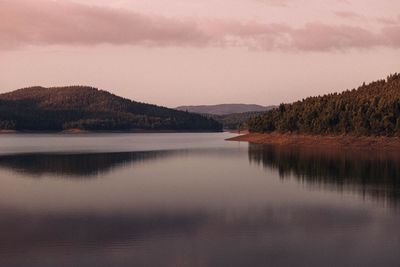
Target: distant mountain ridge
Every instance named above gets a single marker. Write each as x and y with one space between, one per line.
224 109
232 116
88 108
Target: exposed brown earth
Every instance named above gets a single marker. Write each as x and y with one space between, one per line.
74 131
322 141
7 131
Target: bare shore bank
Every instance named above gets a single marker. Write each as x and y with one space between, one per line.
81 131
322 141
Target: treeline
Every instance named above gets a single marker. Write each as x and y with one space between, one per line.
372 109
235 121
87 108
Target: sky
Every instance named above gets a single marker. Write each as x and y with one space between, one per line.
190 52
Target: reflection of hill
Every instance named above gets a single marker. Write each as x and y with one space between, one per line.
76 165
372 173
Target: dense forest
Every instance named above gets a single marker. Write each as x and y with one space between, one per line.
372 109
231 116
224 109
235 121
87 108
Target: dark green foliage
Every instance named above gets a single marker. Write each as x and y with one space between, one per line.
55 109
236 121
372 109
225 109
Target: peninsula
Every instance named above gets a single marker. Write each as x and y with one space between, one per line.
366 117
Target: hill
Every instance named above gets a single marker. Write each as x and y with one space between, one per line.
235 121
87 108
232 116
223 109
372 109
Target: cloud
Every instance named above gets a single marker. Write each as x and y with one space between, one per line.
51 22
45 22
281 3
317 36
392 34
347 15
388 21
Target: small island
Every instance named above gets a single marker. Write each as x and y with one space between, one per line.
77 109
366 118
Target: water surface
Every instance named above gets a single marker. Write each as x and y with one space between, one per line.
193 200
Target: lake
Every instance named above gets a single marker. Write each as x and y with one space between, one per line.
193 200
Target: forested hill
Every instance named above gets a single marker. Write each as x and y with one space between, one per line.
224 109
232 116
372 109
87 108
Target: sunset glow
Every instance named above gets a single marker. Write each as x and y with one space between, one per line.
212 51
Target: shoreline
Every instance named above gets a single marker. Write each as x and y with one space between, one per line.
346 142
80 131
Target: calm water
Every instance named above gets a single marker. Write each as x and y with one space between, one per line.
193 200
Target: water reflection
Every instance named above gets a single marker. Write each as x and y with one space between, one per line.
77 165
374 174
79 230
284 236
198 207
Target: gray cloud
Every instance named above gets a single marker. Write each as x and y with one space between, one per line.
44 22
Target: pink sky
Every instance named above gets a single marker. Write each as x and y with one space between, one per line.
178 52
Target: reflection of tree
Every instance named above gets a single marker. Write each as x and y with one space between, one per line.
376 174
76 165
